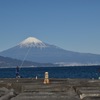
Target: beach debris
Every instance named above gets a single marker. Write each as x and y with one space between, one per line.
99 78
36 77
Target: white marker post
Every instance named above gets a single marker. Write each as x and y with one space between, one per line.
46 79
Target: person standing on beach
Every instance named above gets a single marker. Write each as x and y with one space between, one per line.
17 72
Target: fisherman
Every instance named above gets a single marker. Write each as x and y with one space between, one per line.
17 72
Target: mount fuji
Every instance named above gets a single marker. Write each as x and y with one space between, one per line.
33 49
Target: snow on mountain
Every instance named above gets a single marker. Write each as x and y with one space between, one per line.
32 42
48 54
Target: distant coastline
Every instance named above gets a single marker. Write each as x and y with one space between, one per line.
82 65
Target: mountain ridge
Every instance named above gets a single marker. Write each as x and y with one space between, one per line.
6 62
48 53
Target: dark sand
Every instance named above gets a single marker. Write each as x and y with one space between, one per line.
57 89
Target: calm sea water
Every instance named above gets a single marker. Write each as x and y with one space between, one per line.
54 72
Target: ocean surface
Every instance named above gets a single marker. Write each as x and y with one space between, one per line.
88 72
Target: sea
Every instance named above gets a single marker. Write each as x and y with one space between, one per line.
87 72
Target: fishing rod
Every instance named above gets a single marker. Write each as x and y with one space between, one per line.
25 57
18 68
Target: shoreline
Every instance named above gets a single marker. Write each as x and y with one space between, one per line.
53 66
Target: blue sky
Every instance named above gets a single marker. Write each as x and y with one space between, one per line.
70 24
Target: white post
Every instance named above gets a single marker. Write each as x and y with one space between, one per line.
46 79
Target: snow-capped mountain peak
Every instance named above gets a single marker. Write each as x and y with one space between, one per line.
32 42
